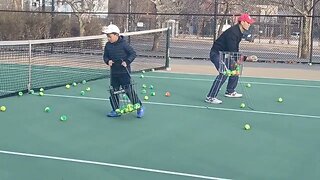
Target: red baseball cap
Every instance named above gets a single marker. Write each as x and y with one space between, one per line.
246 17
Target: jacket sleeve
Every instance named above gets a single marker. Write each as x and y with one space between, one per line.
106 55
131 53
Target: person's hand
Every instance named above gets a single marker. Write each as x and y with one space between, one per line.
124 64
252 58
110 62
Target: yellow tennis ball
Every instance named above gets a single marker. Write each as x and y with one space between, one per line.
242 105
280 100
41 94
247 127
3 108
146 97
67 86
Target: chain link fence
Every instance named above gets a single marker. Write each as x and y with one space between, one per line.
272 38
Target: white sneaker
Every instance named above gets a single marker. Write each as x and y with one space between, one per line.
213 100
233 95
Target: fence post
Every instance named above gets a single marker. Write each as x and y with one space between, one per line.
311 43
168 48
30 67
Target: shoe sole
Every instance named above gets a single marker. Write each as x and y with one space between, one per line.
229 96
212 102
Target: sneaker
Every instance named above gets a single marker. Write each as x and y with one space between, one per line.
233 95
140 112
113 114
213 100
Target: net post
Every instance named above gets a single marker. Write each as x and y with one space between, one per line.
29 69
168 48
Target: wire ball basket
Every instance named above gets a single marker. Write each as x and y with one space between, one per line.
230 63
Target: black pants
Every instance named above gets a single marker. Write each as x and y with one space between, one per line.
122 82
221 78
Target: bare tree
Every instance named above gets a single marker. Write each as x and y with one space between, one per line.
81 9
164 6
305 9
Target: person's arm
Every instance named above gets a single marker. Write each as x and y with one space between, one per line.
106 55
131 53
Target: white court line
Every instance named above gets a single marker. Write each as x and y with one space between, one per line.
112 165
195 106
272 84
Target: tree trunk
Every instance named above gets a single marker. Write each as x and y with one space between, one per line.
305 34
156 37
81 27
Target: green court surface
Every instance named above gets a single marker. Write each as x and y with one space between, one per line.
180 137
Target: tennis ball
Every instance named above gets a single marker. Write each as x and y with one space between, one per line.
84 81
136 106
41 94
248 85
47 109
143 71
74 84
144 86
67 86
41 90
280 99
168 94
152 70
63 118
88 89
143 91
118 111
151 87
20 93
82 93
153 93
242 105
146 97
247 127
3 108
141 76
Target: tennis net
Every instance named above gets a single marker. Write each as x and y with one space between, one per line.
48 63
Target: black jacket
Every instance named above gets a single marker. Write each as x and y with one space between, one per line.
229 40
117 52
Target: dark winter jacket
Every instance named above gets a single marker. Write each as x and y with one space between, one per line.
229 41
117 52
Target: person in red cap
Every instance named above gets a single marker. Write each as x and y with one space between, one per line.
228 41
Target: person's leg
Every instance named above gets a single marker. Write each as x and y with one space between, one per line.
220 79
232 84
216 85
114 98
127 85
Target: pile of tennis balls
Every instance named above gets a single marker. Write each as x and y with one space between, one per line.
128 108
235 72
